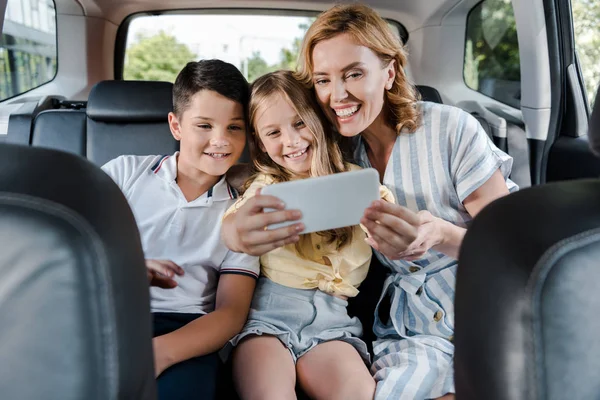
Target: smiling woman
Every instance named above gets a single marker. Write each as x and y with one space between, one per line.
443 170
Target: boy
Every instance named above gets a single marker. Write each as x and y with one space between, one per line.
178 202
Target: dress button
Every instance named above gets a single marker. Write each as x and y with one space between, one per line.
451 338
437 316
318 247
419 291
413 269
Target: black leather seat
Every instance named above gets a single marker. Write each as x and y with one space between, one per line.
527 302
61 130
129 117
429 94
74 300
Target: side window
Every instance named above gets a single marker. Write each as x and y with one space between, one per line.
492 52
586 20
27 47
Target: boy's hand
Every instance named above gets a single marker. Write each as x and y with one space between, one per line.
246 232
161 273
161 361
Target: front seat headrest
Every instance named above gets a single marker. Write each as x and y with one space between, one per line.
74 294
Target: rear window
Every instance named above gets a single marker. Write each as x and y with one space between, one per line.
27 46
492 65
158 47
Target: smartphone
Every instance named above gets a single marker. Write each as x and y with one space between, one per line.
328 202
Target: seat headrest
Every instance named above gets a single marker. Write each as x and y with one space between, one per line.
130 101
594 134
429 94
76 268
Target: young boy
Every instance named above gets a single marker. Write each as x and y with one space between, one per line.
178 202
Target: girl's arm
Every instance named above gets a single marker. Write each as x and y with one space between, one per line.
243 229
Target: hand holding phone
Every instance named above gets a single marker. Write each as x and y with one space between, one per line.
328 202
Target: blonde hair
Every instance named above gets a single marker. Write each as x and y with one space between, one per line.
327 157
367 29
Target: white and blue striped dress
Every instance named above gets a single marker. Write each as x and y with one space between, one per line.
433 169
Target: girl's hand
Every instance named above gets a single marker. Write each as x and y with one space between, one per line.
399 233
161 273
246 230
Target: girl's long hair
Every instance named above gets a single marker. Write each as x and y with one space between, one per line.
327 157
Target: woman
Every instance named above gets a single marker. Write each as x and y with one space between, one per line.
443 170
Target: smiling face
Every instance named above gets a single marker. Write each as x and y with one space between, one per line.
283 135
350 82
211 131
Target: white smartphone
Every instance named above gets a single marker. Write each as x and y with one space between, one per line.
328 202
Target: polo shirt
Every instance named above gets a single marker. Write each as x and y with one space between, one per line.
187 233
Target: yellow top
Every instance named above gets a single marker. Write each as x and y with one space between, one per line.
334 271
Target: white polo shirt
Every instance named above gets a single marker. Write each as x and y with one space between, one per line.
187 233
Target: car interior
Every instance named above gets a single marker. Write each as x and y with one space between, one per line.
71 255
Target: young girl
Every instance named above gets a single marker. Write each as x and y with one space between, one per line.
298 329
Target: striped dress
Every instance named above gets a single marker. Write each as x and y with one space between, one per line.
433 169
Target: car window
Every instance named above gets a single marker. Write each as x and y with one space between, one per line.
491 64
158 47
28 46
586 23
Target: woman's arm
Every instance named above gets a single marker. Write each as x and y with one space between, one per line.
399 233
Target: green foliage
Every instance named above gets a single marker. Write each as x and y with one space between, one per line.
257 67
586 21
156 58
492 49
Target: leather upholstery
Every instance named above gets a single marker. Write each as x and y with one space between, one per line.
429 94
74 300
527 295
128 117
528 272
61 130
130 101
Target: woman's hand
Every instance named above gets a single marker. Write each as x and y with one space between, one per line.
399 233
246 231
161 273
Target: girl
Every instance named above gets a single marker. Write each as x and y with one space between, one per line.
298 328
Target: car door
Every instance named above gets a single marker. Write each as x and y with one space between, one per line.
574 40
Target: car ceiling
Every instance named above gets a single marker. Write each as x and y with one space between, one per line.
413 14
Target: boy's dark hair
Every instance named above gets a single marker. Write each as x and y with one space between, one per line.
216 75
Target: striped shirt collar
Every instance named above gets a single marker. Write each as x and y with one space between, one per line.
166 168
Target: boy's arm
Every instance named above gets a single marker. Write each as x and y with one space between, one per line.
210 332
